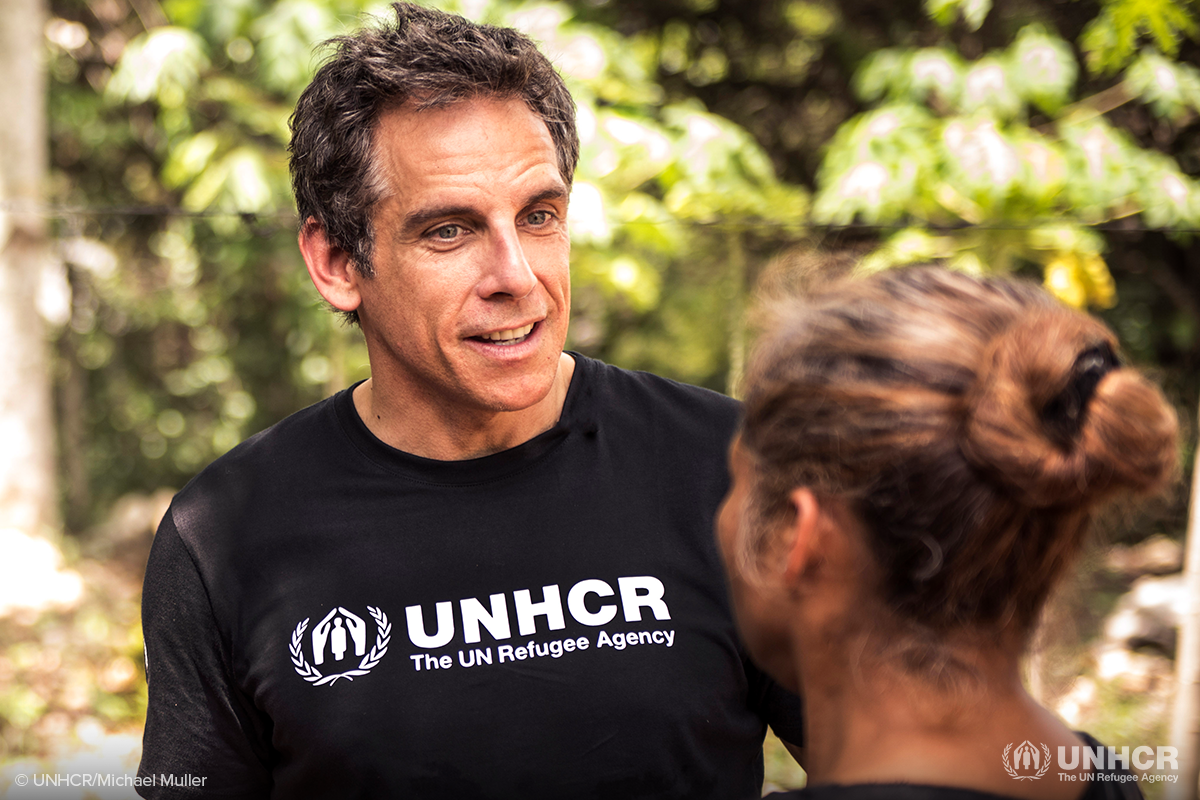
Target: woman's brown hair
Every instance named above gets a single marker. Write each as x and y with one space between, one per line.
971 423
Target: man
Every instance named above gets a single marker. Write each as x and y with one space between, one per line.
488 570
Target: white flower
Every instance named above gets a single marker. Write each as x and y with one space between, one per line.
867 181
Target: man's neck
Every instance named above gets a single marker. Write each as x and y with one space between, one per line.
444 432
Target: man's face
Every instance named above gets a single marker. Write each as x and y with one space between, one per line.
471 295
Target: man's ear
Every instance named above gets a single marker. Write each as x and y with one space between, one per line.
803 549
330 267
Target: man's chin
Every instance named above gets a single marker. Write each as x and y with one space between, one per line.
512 387
518 399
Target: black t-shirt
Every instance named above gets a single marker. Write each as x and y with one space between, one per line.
1109 783
326 616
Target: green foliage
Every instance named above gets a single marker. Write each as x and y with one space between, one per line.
953 143
655 178
188 332
782 773
973 12
1112 38
1170 88
70 670
1042 68
164 64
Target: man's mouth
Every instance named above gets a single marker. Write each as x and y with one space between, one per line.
508 337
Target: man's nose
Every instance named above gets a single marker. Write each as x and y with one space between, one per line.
507 271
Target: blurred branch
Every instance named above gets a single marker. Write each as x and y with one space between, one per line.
1097 105
149 12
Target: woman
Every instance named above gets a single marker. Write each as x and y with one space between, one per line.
920 458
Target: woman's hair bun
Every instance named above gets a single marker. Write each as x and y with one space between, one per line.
1054 418
969 423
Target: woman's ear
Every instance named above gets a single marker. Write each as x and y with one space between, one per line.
329 266
803 531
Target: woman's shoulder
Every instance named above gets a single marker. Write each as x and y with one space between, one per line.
1116 782
885 791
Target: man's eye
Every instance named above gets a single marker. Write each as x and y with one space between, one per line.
538 218
447 232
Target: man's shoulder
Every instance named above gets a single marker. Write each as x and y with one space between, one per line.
645 392
673 425
276 456
293 432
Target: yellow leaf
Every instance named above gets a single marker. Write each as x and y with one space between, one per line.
1102 292
1063 279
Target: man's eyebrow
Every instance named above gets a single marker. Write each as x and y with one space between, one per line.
553 193
416 221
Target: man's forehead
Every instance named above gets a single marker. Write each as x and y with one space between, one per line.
467 142
482 112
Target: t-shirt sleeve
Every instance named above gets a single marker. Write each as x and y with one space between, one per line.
202 737
778 707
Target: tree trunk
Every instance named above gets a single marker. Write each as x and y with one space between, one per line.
28 493
1185 723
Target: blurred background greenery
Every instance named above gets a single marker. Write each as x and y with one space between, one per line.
725 143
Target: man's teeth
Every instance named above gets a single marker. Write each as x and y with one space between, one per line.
509 335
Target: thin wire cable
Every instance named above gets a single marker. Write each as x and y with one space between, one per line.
55 211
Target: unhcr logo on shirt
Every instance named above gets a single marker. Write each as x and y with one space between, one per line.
339 638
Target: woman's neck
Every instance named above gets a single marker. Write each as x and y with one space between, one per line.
943 723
